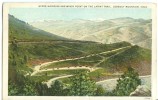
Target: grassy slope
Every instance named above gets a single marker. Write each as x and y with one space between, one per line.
23 31
87 61
44 76
65 50
136 57
115 62
20 30
44 52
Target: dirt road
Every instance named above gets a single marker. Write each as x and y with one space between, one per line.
49 82
37 68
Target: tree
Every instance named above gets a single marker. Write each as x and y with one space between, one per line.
25 58
127 83
82 85
12 89
21 85
100 91
57 88
29 89
66 91
42 89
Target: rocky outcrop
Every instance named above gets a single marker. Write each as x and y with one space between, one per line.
142 90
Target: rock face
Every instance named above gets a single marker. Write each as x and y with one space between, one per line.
141 90
135 31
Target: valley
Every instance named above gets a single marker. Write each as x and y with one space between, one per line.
38 59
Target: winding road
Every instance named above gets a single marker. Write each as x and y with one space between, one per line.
49 82
66 68
37 68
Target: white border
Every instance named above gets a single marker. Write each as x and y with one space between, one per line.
5 61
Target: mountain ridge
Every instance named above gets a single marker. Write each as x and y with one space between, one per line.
21 30
135 31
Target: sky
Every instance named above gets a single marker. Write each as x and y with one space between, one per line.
37 14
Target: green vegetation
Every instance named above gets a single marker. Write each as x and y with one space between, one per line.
72 63
19 57
102 74
127 83
18 84
86 61
100 91
23 56
93 48
17 60
57 89
109 54
46 75
22 31
131 57
61 72
97 73
64 50
135 52
116 61
42 78
82 85
21 86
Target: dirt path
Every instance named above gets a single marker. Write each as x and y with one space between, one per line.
108 84
65 68
37 68
49 82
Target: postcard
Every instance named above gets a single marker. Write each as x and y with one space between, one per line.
82 51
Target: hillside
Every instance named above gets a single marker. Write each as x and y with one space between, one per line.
21 30
110 63
38 58
49 61
25 56
136 57
41 52
135 31
111 58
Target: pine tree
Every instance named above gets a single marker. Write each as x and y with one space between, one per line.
127 83
100 91
57 88
82 85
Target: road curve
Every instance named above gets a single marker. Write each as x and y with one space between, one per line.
37 68
65 68
49 82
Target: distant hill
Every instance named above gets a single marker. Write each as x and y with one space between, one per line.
135 31
23 31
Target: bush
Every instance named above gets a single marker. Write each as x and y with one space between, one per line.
57 88
127 83
100 91
82 85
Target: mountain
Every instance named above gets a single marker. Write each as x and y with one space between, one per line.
21 30
135 31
